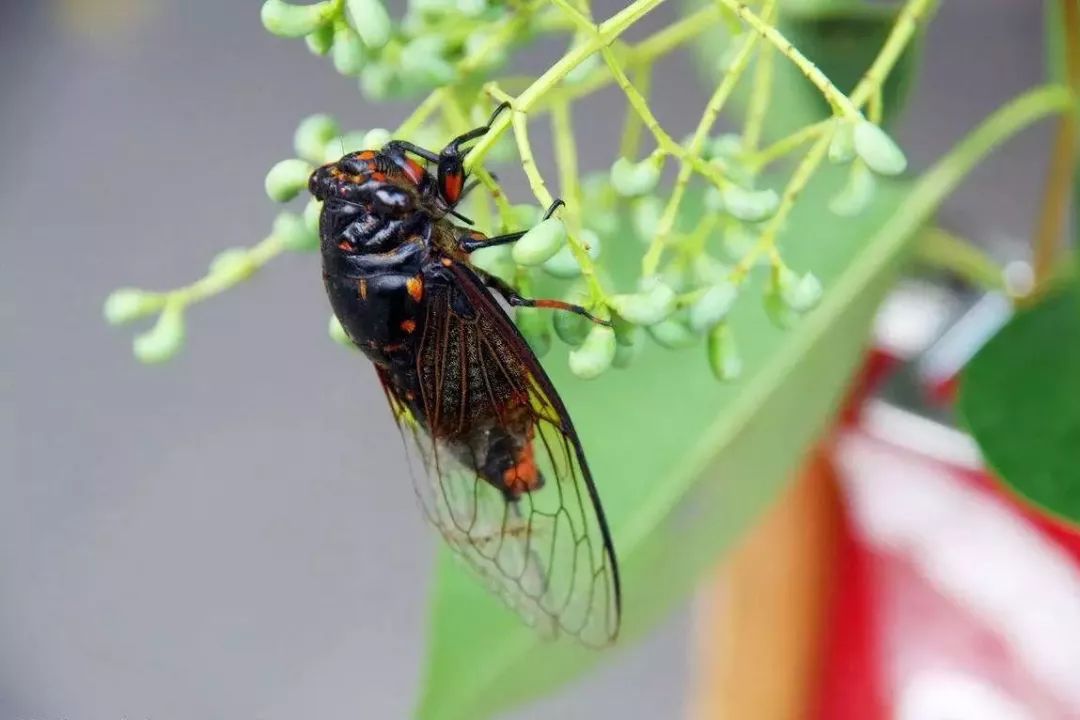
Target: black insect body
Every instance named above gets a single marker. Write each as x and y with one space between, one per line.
506 480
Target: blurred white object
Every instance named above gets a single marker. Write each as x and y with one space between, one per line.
965 587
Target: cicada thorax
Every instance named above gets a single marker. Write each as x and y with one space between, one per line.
374 245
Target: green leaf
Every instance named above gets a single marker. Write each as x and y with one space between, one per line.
1020 398
708 457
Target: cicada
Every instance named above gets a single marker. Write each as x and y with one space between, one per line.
504 476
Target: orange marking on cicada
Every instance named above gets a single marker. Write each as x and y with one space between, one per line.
344 245
524 476
452 185
378 176
414 171
408 325
415 287
554 305
367 155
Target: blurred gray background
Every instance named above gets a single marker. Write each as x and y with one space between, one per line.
231 536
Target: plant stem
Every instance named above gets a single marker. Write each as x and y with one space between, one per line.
606 32
664 141
942 249
1046 236
759 100
786 145
566 161
418 116
839 102
645 52
539 188
506 211
631 136
212 284
767 242
902 31
675 35
650 263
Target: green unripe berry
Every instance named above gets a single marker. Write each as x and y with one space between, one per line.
535 329
632 179
603 221
802 294
627 348
712 307
495 260
375 138
471 8
483 53
321 39
423 62
842 144
672 334
856 193
312 135
879 151
294 21
526 216
595 354
645 216
163 340
312 214
727 147
371 22
654 303
564 265
378 80
127 304
724 360
776 307
294 234
570 327
349 53
750 205
540 243
338 334
287 179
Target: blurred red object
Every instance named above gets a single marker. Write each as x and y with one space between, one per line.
953 599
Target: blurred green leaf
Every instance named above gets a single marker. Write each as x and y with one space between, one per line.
842 38
1021 400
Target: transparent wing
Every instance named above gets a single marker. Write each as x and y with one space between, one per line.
532 529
